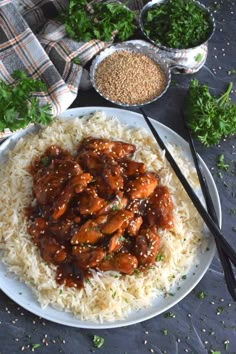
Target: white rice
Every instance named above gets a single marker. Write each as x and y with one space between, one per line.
106 296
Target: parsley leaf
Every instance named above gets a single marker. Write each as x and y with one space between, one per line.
100 20
221 163
36 345
209 118
18 106
98 341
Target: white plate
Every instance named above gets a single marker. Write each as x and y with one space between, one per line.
23 296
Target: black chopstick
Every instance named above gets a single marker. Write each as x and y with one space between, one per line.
3 139
226 265
212 226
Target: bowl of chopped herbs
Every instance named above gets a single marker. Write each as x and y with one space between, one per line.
177 25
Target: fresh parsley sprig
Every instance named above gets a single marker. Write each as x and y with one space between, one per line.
18 106
209 118
98 20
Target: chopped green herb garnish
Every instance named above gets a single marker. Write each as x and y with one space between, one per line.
45 161
201 295
164 332
234 228
169 315
136 271
35 346
219 310
76 61
221 163
113 293
198 57
177 24
231 72
98 341
215 352
209 118
184 276
160 257
108 257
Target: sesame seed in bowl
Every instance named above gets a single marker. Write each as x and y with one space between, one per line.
130 76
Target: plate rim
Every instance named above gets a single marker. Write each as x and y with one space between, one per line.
74 321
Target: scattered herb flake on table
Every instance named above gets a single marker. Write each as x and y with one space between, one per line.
201 295
36 345
98 341
221 163
209 118
231 72
169 315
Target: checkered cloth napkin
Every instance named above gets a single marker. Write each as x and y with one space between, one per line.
33 41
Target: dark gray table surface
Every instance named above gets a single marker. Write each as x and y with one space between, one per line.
200 325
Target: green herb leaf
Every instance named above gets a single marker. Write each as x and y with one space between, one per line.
219 310
201 295
159 257
35 346
209 118
198 57
18 106
221 163
98 341
100 20
169 315
231 72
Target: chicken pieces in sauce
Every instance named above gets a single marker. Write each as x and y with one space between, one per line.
98 209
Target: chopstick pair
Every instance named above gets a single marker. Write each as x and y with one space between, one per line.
226 252
226 265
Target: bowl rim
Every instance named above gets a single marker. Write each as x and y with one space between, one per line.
153 3
159 59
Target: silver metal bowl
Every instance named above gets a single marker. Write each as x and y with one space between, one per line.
154 3
134 49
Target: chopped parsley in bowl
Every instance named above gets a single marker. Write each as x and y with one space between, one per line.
176 24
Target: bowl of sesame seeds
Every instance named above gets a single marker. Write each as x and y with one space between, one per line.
129 75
